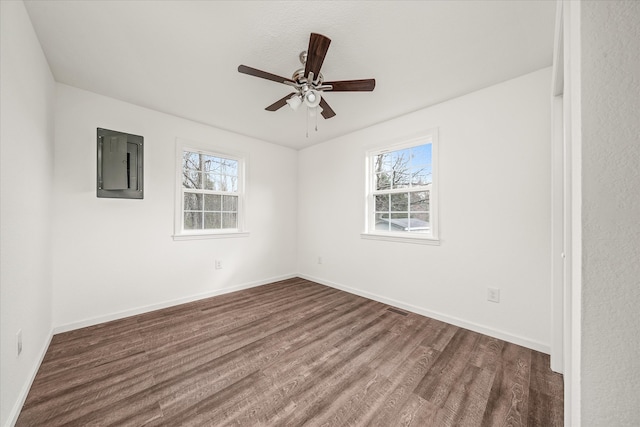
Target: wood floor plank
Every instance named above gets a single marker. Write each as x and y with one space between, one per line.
301 364
407 335
318 388
543 379
88 380
349 401
439 334
289 353
412 370
237 341
508 401
546 398
230 369
416 412
274 345
467 400
94 394
449 367
487 353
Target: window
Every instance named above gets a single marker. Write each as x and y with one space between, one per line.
210 193
401 195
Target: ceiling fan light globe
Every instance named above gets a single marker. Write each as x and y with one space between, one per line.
314 111
312 98
294 102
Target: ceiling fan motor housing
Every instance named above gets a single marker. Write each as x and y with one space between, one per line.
303 57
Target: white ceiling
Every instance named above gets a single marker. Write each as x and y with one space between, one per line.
181 57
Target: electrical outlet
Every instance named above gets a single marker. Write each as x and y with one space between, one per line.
19 341
319 260
493 294
218 264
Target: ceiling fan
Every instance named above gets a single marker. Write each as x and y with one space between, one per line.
308 82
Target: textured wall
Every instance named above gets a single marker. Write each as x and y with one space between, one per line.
611 213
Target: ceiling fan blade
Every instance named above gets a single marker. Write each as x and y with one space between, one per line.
318 47
327 112
263 74
364 85
279 103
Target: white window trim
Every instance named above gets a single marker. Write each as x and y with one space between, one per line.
178 232
430 135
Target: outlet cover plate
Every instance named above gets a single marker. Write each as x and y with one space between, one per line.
493 294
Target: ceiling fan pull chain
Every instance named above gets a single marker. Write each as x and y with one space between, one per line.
308 112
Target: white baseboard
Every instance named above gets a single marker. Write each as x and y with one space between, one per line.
17 407
139 310
492 332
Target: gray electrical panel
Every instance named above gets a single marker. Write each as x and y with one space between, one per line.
120 165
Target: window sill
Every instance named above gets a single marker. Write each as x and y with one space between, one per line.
200 236
420 240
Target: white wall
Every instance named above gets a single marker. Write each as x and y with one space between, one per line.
494 214
610 63
115 256
26 113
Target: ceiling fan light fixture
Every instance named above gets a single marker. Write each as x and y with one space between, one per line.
312 98
314 111
308 82
294 102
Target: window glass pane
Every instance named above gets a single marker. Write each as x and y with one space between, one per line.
420 216
212 220
191 179
190 160
403 210
402 222
224 183
419 223
229 167
400 159
229 220
383 181
382 222
403 168
401 179
230 203
212 202
230 183
192 202
419 201
421 155
383 163
399 215
397 221
212 182
382 203
400 202
193 220
421 175
210 163
202 174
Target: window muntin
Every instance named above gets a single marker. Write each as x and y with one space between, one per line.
401 197
211 197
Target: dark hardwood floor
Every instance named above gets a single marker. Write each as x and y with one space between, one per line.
287 354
